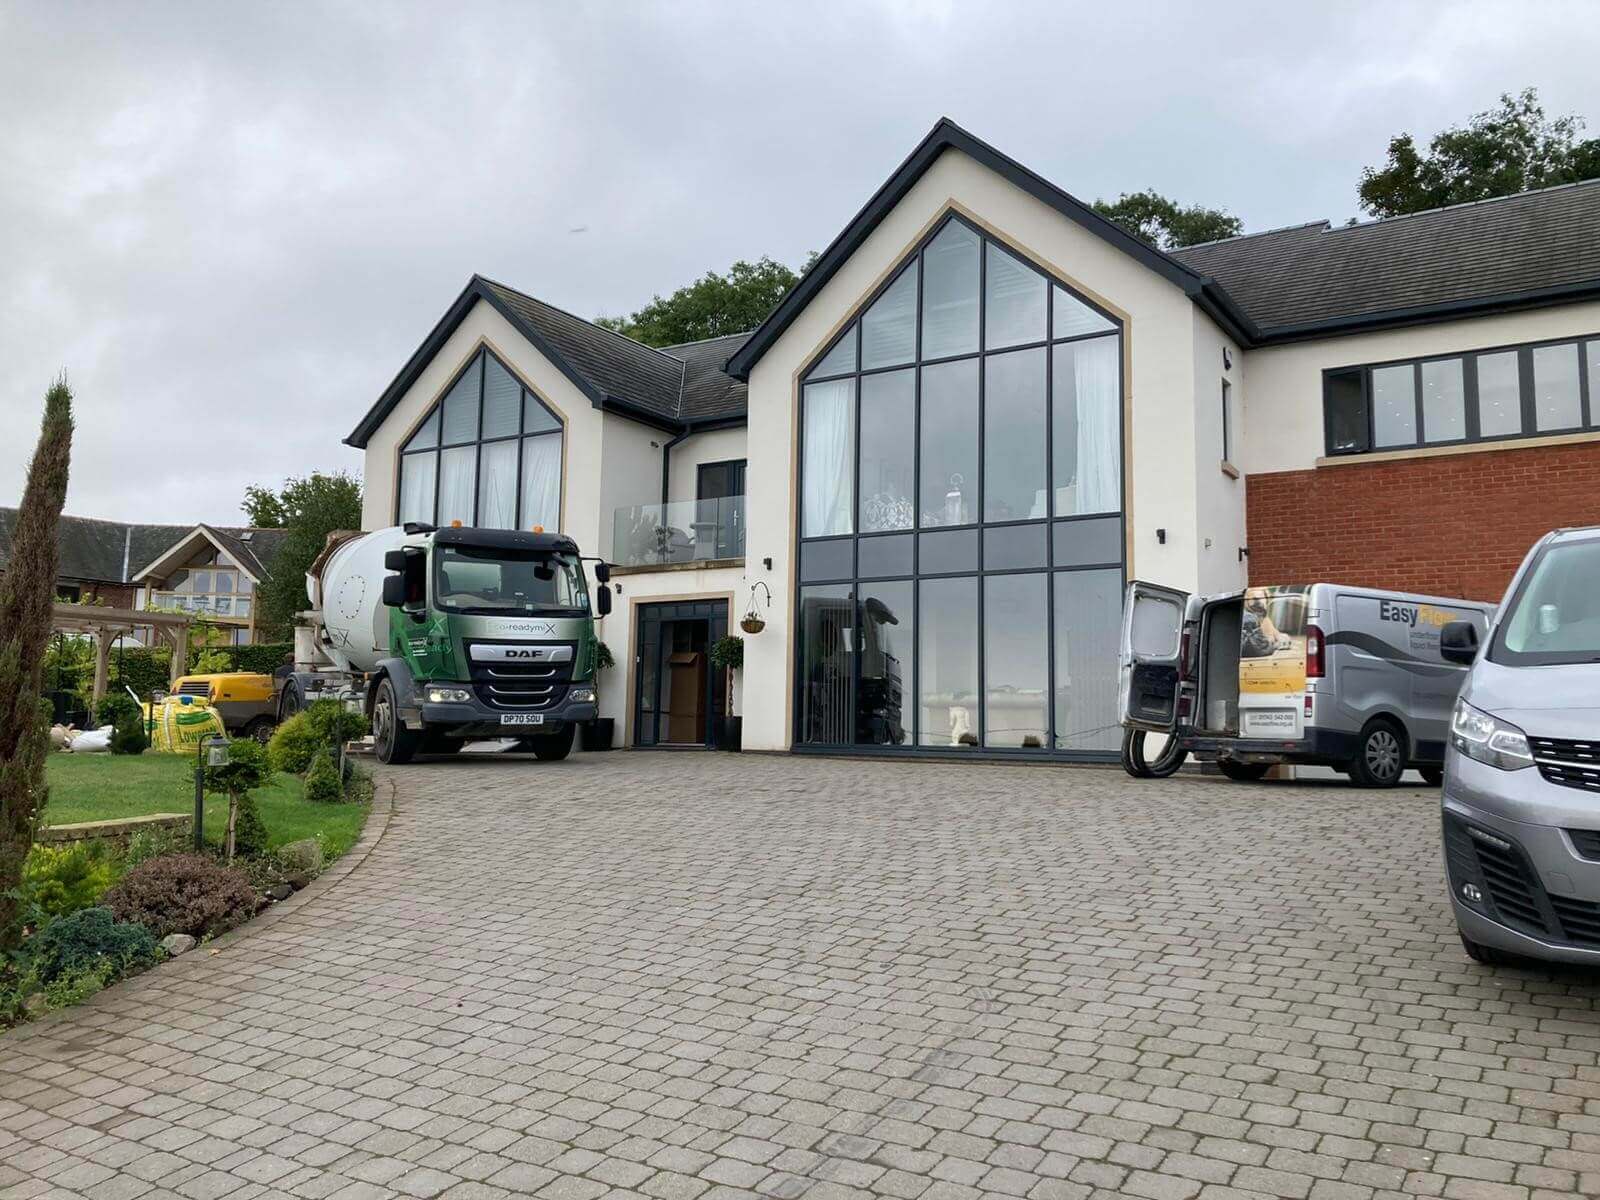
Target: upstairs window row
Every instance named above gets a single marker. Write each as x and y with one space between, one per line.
908 424
1491 395
488 455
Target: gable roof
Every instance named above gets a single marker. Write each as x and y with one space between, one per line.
115 551
1316 279
672 388
947 135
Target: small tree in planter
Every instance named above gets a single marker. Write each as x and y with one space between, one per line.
598 733
727 655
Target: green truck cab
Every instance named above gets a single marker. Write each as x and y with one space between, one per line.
490 636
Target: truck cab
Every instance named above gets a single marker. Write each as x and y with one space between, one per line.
490 635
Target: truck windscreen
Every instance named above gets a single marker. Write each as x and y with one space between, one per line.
473 579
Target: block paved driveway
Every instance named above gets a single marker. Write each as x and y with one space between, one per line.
692 975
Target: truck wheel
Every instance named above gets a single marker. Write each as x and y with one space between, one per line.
551 748
1381 756
289 702
393 743
1243 772
260 729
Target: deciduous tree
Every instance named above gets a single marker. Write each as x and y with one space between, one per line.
1513 148
26 591
711 306
1164 223
309 509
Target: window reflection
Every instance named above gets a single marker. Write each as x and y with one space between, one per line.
887 636
1015 661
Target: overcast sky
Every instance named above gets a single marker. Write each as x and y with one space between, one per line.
231 223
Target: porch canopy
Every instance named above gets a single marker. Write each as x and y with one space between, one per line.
105 624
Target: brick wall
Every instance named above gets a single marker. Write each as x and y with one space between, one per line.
1456 525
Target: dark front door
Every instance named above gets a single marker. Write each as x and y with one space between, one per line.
719 508
681 696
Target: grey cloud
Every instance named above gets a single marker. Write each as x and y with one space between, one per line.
232 224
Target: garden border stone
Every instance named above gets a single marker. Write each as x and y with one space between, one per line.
121 827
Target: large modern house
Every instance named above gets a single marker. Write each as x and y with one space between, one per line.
934 466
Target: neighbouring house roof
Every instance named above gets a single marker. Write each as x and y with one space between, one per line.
117 551
1315 280
1534 247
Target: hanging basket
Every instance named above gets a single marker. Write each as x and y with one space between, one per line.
752 621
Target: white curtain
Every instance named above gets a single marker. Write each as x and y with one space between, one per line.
417 472
541 482
458 470
1099 444
497 486
828 467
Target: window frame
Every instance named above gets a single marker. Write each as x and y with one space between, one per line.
479 360
1588 401
1049 568
1227 421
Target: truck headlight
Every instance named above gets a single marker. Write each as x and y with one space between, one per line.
448 695
581 695
1489 739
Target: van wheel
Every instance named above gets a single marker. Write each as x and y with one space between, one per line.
1243 772
1133 753
1487 955
1381 756
1432 776
393 742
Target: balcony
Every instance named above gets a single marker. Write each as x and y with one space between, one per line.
684 531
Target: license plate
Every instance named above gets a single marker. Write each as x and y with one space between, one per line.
522 718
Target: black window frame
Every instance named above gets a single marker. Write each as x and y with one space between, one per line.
479 361
1050 569
1588 401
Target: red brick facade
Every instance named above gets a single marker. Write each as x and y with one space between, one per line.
1456 525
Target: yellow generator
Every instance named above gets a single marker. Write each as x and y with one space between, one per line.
246 700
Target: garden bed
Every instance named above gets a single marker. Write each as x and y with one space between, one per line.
104 787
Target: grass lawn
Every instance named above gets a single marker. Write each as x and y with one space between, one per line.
103 787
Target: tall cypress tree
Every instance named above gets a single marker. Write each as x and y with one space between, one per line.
27 590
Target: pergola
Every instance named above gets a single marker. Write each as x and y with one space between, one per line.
105 624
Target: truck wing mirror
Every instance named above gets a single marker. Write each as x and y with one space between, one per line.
602 601
394 588
602 572
1458 642
394 560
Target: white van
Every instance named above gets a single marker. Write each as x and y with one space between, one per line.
1321 673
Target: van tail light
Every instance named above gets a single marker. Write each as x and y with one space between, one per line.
1185 646
1316 653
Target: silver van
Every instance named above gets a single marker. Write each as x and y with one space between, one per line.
1321 673
1522 778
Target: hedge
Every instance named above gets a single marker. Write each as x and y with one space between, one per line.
144 669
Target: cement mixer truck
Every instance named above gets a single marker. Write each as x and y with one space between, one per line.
447 636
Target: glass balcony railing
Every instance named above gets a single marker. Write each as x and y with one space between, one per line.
680 532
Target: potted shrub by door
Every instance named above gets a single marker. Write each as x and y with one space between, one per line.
598 733
727 655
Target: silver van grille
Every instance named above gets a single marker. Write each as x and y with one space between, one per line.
1568 761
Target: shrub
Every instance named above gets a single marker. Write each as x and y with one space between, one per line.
129 736
63 879
323 785
144 669
322 725
89 940
183 893
114 706
249 830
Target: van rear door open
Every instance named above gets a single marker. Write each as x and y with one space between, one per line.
1149 664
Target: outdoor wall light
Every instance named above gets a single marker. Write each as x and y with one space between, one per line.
767 563
1161 536
1227 359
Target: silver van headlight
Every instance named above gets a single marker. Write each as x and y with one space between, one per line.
1489 739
